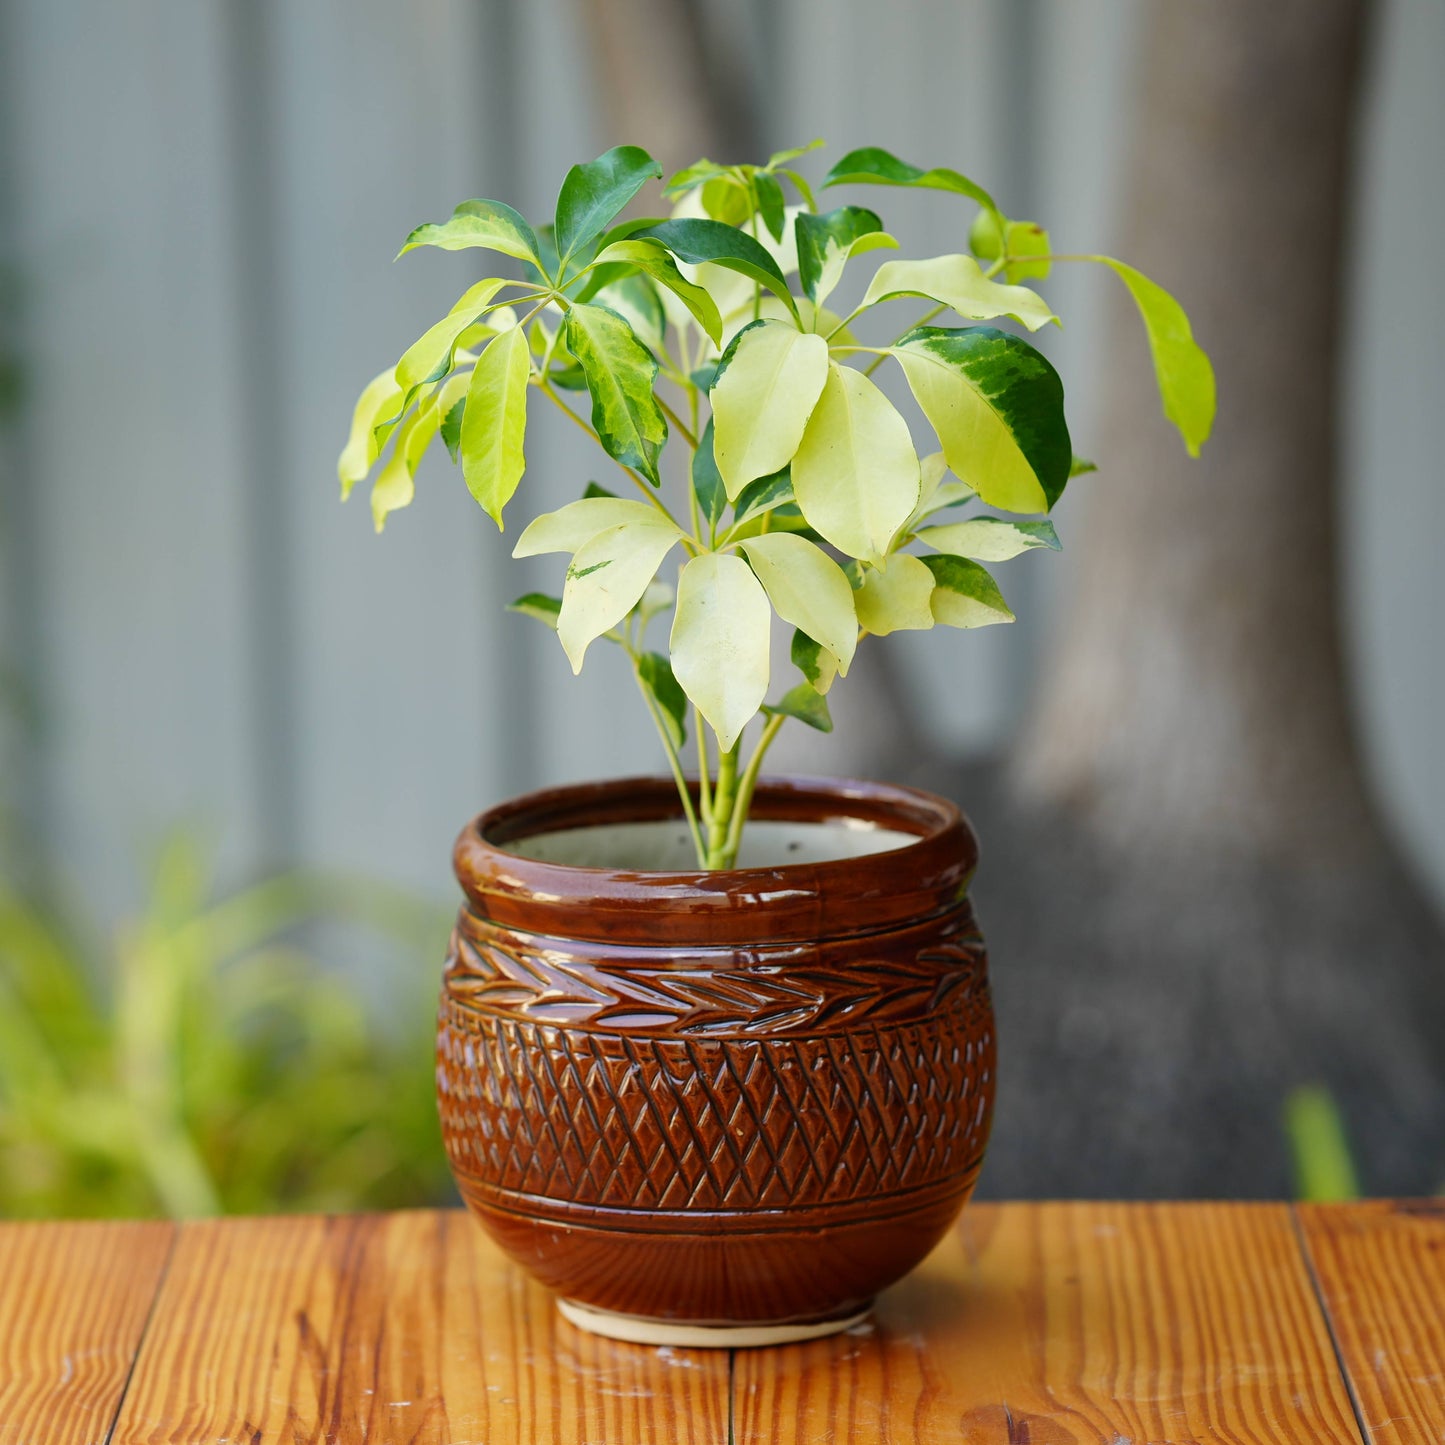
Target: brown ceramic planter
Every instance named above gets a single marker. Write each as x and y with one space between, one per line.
717 1107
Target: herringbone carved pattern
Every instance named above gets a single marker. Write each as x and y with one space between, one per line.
716 1123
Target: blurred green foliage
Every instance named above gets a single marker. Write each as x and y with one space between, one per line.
206 1061
1323 1166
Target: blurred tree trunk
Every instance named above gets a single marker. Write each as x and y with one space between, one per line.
1224 918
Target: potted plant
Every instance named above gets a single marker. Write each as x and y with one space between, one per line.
715 1053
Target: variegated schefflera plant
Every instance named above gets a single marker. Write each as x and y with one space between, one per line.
800 489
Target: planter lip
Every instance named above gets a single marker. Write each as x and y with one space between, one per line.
792 902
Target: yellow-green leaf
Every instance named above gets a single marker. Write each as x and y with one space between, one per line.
720 637
394 487
964 595
380 398
570 528
653 258
620 371
896 600
1181 366
430 356
959 282
762 401
607 577
489 224
990 539
494 423
855 473
814 661
807 588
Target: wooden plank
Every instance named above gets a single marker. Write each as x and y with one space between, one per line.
1380 1267
73 1305
1058 1323
386 1328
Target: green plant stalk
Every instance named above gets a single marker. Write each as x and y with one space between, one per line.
747 784
723 800
674 762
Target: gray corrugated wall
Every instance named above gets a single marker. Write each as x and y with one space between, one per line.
202 200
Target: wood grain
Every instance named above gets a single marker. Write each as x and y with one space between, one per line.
1060 1324
385 1329
1381 1273
73 1305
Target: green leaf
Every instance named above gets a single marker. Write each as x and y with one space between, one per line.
825 244
451 429
720 637
814 661
1025 239
726 198
653 258
770 202
701 242
781 158
1080 465
808 589
763 398
998 408
596 489
1181 366
896 600
990 539
877 167
654 672
637 301
763 495
495 422
394 487
964 594
707 482
680 182
855 473
607 577
430 357
620 371
958 282
488 224
594 193
380 397
805 703
538 605
570 528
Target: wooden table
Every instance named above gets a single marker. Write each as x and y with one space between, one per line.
1044 1323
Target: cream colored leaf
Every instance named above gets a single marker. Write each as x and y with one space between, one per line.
959 282
897 600
807 588
573 526
720 638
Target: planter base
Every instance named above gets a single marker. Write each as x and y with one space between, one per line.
640 1331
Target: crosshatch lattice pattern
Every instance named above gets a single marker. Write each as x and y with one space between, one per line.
701 1123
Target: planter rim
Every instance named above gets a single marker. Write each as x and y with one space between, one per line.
792 902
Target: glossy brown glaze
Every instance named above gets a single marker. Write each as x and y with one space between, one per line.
758 1095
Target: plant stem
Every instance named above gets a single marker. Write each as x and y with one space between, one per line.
688 435
704 779
674 762
545 387
922 321
746 785
719 825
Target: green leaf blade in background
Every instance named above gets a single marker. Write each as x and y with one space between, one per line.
1027 244
488 224
494 423
607 578
855 474
538 605
654 672
805 703
762 400
1182 367
720 641
807 589
707 483
958 282
998 408
872 165
813 660
593 194
770 202
964 595
620 372
701 242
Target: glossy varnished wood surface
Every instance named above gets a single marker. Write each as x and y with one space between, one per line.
1381 1273
1047 1323
74 1299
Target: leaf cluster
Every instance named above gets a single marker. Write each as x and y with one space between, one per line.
804 494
